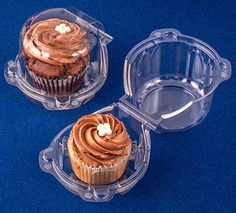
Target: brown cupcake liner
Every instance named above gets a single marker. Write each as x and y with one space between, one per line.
58 86
98 175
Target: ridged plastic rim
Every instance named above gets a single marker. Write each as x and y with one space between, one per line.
34 93
161 36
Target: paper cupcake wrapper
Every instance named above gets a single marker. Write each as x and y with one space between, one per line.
99 175
58 86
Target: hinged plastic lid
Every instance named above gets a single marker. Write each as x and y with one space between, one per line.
169 78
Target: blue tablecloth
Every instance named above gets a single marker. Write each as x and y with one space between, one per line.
191 171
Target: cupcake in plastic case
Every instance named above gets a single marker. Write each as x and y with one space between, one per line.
56 52
99 148
62 60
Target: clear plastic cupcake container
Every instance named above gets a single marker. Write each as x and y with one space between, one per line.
65 92
169 82
55 159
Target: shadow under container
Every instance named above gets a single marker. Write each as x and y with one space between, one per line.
169 81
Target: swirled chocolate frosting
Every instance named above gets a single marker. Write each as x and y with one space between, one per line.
45 42
96 150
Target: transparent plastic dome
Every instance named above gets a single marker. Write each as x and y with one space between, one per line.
62 60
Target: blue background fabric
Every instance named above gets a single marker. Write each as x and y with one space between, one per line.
191 171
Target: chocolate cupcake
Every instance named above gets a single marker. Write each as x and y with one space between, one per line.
56 53
99 148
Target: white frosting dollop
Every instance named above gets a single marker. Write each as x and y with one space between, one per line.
62 29
104 129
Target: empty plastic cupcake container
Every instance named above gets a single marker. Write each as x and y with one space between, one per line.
169 82
64 92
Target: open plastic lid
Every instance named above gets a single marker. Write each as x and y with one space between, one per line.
62 60
170 78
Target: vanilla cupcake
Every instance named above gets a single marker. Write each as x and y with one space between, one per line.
99 148
56 53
